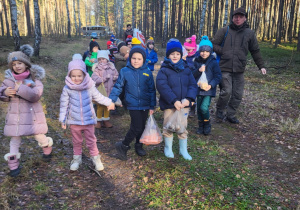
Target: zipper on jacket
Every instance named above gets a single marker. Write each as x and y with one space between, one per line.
139 88
180 86
81 114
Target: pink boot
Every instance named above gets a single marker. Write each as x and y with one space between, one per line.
13 163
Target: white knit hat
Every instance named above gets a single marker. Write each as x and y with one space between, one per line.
103 54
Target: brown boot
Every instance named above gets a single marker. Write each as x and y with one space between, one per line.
107 124
98 124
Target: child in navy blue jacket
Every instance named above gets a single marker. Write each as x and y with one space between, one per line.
140 97
206 62
151 54
178 89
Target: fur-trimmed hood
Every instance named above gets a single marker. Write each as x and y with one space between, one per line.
36 72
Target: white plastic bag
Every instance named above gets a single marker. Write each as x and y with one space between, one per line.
202 82
151 134
118 102
175 123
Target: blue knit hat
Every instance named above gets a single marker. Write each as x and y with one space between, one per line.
172 46
205 45
138 49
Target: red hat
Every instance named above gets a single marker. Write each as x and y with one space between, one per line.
108 43
129 37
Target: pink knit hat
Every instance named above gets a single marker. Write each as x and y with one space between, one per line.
77 63
190 43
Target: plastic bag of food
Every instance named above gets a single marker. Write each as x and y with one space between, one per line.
175 122
203 82
151 134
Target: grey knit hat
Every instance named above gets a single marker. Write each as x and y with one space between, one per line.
26 51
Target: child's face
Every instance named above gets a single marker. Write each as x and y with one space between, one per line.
95 49
77 76
204 54
129 45
151 46
19 67
175 56
189 50
102 60
137 60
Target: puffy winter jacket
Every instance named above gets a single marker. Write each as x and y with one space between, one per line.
90 64
213 74
190 59
151 56
25 115
175 85
239 41
139 87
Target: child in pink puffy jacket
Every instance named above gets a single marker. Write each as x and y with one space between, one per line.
104 73
22 89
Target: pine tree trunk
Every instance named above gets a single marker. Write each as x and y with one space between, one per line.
1 20
165 36
274 21
37 31
6 19
244 4
179 30
121 23
298 45
14 23
215 27
226 14
279 24
270 15
69 22
295 24
26 8
290 31
75 22
79 20
202 20
209 19
133 13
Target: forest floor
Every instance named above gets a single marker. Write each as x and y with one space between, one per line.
252 165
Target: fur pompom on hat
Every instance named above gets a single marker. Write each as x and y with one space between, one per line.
76 63
172 46
205 45
26 51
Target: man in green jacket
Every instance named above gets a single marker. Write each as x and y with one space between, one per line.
240 39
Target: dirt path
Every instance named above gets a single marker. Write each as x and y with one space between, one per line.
256 141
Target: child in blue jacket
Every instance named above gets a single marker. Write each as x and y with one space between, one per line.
178 89
140 97
206 62
151 54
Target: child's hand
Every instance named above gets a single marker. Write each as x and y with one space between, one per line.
185 103
63 126
207 88
184 57
9 92
108 76
151 112
111 107
178 105
92 60
202 68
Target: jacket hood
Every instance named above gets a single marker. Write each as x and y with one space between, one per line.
36 72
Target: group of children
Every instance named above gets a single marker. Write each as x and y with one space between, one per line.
175 82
